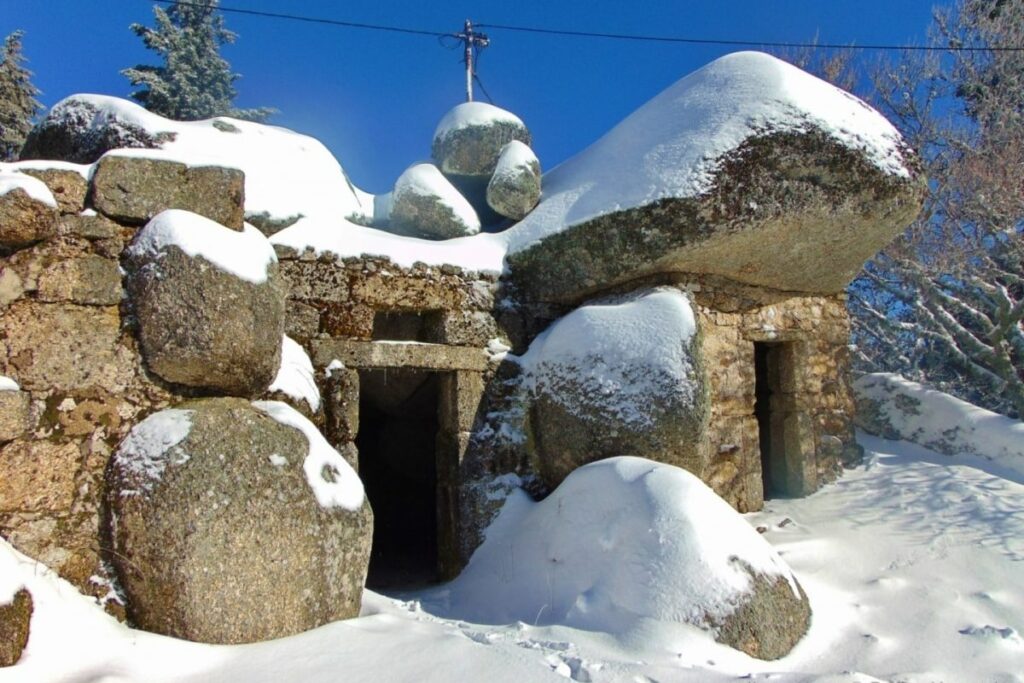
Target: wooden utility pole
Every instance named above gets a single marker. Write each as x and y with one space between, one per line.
472 42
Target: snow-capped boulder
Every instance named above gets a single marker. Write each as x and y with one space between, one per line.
233 522
624 541
15 622
619 375
28 211
80 129
425 204
132 187
749 168
209 303
514 189
470 137
69 183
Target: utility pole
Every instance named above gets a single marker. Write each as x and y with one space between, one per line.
472 41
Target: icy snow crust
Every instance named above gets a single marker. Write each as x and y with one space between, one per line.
620 540
426 180
296 377
670 147
246 255
473 114
33 187
333 481
152 444
615 351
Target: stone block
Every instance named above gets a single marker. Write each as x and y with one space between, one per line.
24 220
38 475
68 187
89 280
15 415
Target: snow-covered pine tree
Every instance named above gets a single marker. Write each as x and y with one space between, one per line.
194 81
18 103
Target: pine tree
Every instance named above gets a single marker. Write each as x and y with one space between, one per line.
18 103
195 81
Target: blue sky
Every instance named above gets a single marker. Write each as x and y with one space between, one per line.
374 98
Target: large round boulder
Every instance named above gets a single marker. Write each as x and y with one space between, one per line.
425 204
618 375
514 189
624 542
28 211
209 303
232 522
470 137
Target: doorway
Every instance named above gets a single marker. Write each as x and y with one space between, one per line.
773 394
398 427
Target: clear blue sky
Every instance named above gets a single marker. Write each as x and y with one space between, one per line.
374 98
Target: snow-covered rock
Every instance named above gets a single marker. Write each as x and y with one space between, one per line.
514 189
470 137
748 168
209 302
425 204
67 182
896 408
624 541
234 522
28 211
617 376
296 378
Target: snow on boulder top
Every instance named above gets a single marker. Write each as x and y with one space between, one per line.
246 254
425 180
84 170
672 146
514 156
619 541
34 188
287 175
150 446
473 114
615 352
296 377
332 480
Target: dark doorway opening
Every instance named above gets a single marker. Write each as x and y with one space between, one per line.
769 367
398 425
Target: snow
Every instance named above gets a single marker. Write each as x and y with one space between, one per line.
151 445
332 367
8 384
333 481
296 377
514 157
614 354
473 114
560 561
426 180
911 562
672 146
246 254
84 170
943 422
33 187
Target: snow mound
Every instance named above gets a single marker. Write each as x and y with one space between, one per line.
613 355
287 174
296 377
912 412
33 187
673 145
333 481
473 114
151 445
621 540
246 255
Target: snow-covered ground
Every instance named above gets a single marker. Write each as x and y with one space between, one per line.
914 564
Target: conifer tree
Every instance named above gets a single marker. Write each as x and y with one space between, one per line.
194 81
18 103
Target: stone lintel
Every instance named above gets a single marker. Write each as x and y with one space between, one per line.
424 356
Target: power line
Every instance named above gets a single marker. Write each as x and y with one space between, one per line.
595 34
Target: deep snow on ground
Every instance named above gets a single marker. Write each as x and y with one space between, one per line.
914 564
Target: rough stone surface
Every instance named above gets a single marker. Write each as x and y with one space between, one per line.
133 190
474 150
15 417
91 280
24 220
788 211
69 188
226 546
38 475
75 131
770 623
203 327
514 190
15 623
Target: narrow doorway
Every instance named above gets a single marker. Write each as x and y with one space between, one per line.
398 425
771 365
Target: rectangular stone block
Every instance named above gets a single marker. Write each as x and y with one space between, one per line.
15 415
89 280
37 476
